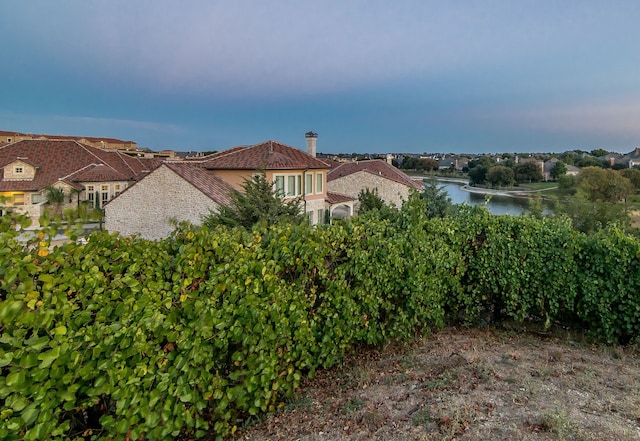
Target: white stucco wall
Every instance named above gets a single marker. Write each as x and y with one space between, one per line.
390 191
148 207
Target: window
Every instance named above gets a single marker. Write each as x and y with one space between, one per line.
280 185
18 199
288 185
310 217
321 216
18 170
91 196
116 189
104 194
318 182
308 183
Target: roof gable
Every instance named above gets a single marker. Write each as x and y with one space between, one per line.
204 180
375 167
269 155
62 159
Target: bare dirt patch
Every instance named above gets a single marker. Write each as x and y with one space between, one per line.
468 384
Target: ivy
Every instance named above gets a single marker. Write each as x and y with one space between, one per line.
128 338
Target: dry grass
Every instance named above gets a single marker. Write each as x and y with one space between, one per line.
471 384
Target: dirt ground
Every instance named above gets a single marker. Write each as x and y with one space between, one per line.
469 384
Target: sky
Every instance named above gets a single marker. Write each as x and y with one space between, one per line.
413 76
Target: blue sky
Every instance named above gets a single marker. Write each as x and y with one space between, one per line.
367 76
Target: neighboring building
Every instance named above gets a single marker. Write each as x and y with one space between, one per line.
102 143
188 190
83 172
173 192
392 185
548 165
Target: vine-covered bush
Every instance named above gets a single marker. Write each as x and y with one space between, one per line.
124 338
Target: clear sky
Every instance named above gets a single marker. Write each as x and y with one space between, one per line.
368 76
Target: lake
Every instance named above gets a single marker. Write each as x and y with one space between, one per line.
496 205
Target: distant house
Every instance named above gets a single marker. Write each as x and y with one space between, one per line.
85 174
548 166
188 190
102 143
392 185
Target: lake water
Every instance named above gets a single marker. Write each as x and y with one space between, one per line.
496 204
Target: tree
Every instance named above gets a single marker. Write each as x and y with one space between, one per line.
500 176
55 196
633 174
371 204
478 175
598 184
599 153
528 172
438 202
558 169
258 203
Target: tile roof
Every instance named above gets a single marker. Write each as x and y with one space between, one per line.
204 180
336 198
376 167
62 159
64 137
269 155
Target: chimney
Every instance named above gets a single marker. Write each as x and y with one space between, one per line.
311 138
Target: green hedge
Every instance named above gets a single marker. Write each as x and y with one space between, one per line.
187 336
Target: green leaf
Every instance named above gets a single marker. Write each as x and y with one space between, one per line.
30 414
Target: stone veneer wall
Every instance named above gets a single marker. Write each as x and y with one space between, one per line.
149 207
390 191
313 206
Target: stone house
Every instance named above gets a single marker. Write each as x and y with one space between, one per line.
392 185
188 190
175 191
86 174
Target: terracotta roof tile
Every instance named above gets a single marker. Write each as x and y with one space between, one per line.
336 198
56 160
269 155
376 167
204 180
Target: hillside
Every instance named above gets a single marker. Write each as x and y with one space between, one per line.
471 384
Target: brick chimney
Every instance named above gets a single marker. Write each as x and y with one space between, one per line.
311 138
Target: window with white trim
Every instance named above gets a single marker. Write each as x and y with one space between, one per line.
308 183
91 196
289 185
104 194
318 182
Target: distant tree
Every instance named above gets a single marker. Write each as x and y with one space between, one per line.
478 175
567 184
599 153
558 169
430 164
500 176
528 172
590 161
568 158
258 203
604 185
590 216
438 202
633 175
423 164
